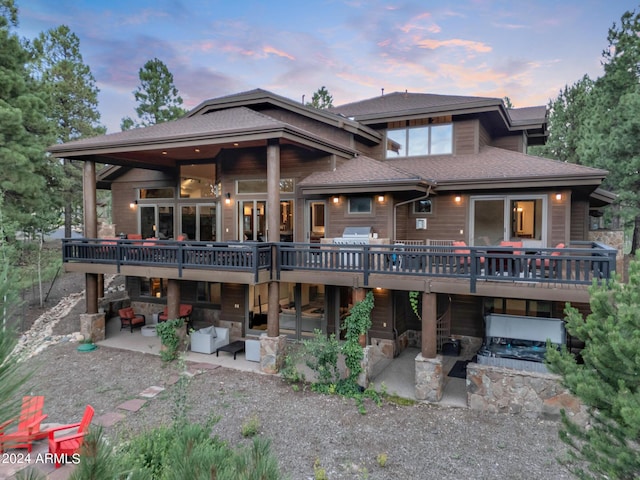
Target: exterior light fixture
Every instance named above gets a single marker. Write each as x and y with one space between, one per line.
458 198
228 199
197 150
336 200
380 198
164 152
558 196
133 204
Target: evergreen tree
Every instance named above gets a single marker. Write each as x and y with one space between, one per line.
157 97
73 105
27 178
321 99
606 381
566 121
610 137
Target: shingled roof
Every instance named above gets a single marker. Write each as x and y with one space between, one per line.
404 103
490 167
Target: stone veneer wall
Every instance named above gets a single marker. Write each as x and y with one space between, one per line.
505 390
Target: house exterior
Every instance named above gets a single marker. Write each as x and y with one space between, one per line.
273 218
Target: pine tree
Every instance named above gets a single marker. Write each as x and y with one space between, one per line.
321 99
27 177
157 97
73 105
607 381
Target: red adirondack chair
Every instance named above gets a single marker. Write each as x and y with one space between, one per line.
28 425
70 443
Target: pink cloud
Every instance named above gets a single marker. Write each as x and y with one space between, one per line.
271 50
432 44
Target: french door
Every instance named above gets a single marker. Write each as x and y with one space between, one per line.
199 222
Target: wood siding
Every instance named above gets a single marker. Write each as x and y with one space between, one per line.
466 315
445 223
559 219
233 294
513 142
465 137
382 314
125 190
579 218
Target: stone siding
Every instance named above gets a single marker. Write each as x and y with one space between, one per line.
505 390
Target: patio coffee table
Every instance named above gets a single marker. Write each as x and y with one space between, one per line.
233 347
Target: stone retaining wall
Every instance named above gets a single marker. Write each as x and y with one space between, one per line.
505 390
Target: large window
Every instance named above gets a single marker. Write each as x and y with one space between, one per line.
198 181
421 140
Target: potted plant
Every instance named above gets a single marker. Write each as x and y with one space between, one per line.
173 334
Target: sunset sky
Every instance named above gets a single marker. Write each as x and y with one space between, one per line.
525 50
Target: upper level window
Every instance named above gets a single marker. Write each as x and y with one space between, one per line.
150 193
198 181
260 186
434 139
359 204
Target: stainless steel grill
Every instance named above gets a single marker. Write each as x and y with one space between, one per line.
354 236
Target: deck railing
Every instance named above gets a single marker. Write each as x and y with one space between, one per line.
247 257
580 263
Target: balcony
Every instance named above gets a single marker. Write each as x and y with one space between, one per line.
446 269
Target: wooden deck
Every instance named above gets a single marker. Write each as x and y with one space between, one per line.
549 274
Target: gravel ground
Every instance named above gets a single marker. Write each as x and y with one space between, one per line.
421 441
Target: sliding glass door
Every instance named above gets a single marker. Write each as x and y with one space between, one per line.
509 218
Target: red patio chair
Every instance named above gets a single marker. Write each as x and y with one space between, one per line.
28 425
548 266
70 443
130 319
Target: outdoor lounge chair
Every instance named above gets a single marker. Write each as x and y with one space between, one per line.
184 313
130 319
69 443
28 425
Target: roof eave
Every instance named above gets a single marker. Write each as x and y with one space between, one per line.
253 134
522 182
262 96
367 187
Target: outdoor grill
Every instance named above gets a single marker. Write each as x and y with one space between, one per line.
354 236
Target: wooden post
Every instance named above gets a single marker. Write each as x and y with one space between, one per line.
173 299
273 231
429 325
90 230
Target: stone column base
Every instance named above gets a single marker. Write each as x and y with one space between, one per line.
92 326
272 351
429 378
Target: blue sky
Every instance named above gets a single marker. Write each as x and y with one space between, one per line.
526 50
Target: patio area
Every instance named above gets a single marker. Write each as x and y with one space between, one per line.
126 340
398 376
